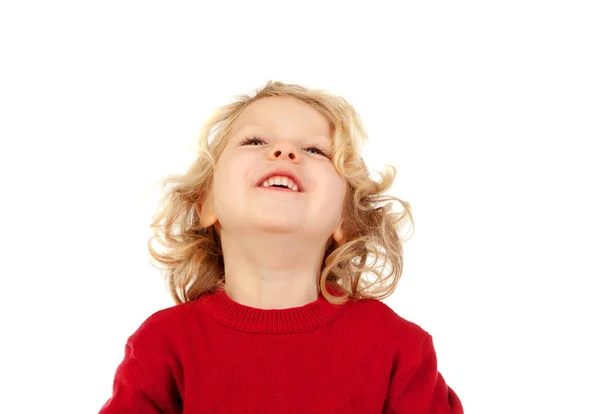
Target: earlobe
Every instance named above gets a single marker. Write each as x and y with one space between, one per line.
206 212
338 233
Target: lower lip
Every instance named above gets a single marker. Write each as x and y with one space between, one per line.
285 190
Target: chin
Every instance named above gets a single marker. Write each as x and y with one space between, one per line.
278 226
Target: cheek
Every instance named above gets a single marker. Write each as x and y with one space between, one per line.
341 195
231 182
333 188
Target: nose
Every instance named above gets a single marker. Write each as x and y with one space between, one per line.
282 151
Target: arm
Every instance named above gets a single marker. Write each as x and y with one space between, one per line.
416 386
136 392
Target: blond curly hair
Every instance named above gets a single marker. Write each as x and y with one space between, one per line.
193 259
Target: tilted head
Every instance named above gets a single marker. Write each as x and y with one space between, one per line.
276 175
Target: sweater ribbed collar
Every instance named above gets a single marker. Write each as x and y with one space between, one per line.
269 321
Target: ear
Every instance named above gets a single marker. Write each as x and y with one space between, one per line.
207 211
338 233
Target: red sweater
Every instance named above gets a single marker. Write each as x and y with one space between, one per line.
214 355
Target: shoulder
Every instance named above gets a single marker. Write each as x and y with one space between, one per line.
381 317
161 328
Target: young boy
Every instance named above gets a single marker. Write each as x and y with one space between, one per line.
268 236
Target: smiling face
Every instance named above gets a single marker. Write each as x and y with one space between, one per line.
285 137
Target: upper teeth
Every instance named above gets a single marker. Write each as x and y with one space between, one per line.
279 180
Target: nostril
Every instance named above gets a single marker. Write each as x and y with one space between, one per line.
291 155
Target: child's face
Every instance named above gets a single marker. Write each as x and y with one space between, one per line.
286 130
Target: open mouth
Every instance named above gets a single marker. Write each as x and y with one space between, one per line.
281 183
281 180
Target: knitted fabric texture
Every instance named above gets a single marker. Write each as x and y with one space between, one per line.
215 355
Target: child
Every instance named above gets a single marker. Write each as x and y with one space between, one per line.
269 237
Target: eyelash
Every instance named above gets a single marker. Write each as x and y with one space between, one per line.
258 138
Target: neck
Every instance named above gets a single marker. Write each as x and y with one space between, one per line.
271 271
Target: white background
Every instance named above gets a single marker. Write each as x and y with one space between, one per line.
490 111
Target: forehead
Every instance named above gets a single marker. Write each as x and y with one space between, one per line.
285 114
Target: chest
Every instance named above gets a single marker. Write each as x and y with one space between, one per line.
284 375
